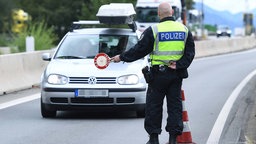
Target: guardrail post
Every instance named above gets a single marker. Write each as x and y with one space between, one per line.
30 44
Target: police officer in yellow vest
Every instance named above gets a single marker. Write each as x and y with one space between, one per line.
172 49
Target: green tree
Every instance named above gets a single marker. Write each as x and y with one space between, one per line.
58 13
5 12
44 37
61 13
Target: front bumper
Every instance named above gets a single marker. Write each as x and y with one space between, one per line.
65 99
224 34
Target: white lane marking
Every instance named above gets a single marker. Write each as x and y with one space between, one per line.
221 120
19 101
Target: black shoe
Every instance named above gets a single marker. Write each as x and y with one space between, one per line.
153 139
172 139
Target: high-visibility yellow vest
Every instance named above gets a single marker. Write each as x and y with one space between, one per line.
170 38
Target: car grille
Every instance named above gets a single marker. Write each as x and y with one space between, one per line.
125 100
92 100
96 80
82 100
59 100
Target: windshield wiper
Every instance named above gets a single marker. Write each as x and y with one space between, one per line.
70 57
92 56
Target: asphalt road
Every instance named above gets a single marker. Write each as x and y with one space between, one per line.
211 82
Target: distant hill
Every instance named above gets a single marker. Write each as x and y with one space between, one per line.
215 17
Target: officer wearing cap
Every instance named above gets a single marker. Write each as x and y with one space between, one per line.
172 49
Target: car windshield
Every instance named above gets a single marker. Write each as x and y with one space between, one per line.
223 28
149 14
88 46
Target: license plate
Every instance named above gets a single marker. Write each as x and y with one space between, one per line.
91 93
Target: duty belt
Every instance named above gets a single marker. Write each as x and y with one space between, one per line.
161 68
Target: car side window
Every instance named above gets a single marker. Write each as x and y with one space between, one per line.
115 44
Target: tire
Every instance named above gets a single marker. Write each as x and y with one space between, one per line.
47 113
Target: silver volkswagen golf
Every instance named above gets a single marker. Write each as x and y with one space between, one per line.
71 81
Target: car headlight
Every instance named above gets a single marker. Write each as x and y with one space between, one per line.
218 32
57 79
229 31
128 80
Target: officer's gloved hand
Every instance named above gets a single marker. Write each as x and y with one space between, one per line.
115 59
172 64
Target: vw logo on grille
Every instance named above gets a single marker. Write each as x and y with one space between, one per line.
92 80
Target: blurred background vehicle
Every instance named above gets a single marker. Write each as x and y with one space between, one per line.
223 30
146 11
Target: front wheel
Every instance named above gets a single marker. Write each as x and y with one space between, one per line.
47 113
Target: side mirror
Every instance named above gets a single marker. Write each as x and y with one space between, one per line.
46 56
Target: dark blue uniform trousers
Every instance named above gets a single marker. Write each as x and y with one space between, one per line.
168 84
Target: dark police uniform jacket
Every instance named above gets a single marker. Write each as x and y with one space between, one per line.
146 45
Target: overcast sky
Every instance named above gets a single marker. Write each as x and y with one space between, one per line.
233 6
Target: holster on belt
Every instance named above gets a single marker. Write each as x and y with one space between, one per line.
148 75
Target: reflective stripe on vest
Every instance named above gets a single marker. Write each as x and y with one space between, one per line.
170 38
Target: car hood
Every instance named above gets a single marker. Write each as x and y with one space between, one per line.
86 68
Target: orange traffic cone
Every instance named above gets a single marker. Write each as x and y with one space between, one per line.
185 137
